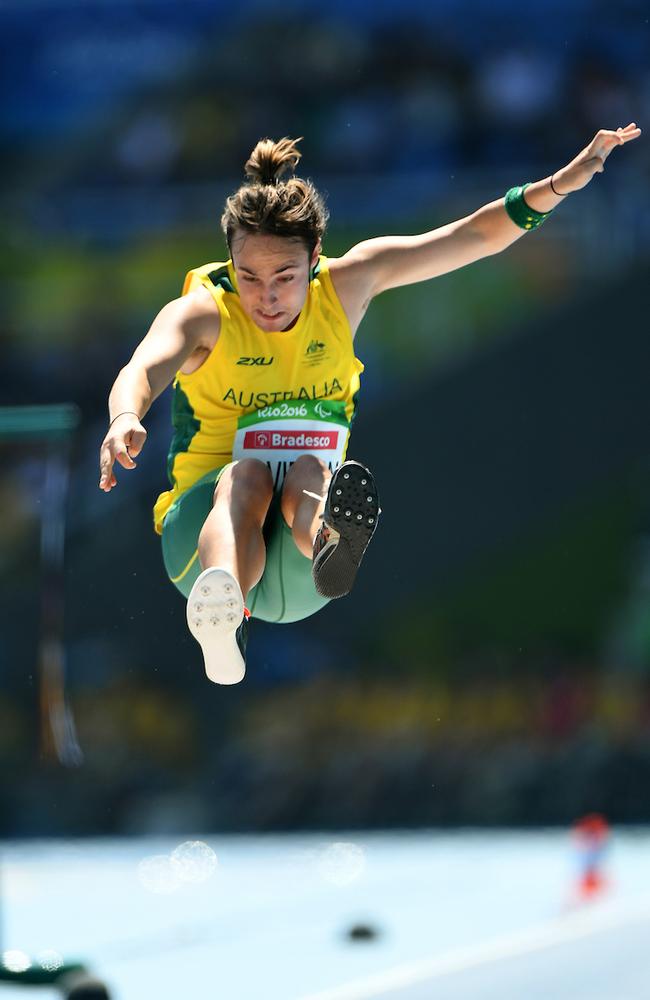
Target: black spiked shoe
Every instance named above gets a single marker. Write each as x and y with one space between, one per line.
349 521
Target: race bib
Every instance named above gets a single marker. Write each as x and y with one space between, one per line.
281 433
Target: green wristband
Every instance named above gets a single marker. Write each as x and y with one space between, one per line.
522 214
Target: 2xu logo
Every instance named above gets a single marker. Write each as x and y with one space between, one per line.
255 361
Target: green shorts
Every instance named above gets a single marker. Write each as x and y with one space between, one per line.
286 592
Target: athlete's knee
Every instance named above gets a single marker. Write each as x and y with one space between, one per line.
247 478
305 470
309 463
252 473
307 477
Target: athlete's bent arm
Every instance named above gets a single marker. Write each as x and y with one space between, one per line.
375 265
180 328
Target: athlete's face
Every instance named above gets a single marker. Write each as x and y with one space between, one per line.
273 277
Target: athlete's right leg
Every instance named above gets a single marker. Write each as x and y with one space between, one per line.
232 554
231 536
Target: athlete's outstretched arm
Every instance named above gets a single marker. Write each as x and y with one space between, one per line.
180 328
375 265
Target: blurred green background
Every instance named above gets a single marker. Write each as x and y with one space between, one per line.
492 665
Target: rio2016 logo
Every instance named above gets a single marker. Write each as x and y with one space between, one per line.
283 410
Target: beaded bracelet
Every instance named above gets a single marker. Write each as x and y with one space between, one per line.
521 213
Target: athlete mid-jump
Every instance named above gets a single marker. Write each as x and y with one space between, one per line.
264 517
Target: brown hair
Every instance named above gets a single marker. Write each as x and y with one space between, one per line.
266 204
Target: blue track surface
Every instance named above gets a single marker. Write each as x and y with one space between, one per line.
480 916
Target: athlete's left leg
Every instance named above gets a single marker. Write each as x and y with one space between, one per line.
335 524
301 511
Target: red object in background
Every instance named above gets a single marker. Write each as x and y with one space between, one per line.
592 835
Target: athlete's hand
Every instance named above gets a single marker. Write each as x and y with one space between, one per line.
124 441
591 160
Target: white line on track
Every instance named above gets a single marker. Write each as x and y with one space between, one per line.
594 919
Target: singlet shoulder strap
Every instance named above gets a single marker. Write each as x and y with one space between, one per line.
212 276
220 278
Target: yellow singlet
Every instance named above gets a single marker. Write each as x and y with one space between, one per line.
274 376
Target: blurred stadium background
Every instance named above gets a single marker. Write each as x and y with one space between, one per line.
493 665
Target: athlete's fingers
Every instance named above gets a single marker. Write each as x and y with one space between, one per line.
124 458
623 130
630 132
107 479
119 447
136 442
106 467
107 484
610 138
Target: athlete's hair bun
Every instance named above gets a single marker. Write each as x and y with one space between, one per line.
269 160
293 209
